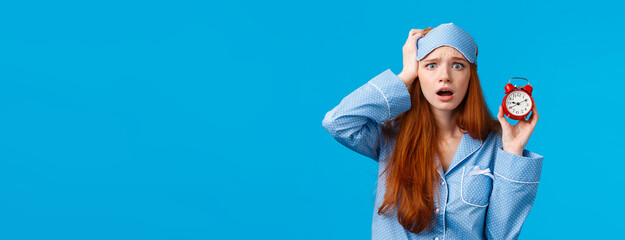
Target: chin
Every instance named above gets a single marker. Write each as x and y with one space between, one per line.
446 106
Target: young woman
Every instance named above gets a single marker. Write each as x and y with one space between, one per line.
447 168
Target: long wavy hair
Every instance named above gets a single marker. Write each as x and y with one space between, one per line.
412 169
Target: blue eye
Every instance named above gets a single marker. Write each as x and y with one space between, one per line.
458 64
426 66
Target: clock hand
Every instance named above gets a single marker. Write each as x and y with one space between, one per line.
519 103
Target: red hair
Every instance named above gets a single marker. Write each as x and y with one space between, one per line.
412 171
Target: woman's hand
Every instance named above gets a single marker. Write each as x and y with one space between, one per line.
514 138
409 73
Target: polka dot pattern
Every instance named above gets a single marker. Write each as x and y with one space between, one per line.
357 121
475 189
447 34
486 193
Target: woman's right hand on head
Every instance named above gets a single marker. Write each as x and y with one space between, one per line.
409 73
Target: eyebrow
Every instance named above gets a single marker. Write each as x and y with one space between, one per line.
436 59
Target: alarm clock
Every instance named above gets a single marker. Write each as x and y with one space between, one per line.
518 101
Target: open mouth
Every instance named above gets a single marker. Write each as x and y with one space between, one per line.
444 93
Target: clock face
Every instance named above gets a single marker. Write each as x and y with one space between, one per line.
518 103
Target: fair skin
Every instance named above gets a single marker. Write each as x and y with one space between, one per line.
447 67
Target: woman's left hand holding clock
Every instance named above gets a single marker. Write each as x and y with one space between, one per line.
515 137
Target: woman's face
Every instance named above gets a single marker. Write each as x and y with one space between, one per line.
445 68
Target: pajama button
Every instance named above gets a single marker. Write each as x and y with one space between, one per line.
443 183
437 210
435 238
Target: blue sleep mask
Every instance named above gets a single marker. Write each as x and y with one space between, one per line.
451 35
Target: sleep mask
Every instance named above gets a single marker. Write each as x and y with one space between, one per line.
451 35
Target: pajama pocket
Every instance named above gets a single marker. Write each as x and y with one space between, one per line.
476 185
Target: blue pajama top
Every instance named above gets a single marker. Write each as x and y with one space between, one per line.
486 192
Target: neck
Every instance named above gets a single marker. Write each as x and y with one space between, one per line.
447 127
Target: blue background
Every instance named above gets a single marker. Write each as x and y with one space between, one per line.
202 120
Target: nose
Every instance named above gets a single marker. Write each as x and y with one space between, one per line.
444 76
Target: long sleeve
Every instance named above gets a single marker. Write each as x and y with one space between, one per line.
356 122
513 194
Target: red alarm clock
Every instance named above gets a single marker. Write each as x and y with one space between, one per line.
518 101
